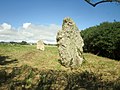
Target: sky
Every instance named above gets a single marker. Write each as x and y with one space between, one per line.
32 20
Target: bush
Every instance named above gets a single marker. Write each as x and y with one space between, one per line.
103 39
24 43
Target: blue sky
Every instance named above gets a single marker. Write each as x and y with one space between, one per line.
51 12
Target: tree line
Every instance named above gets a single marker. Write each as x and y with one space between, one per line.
103 40
15 43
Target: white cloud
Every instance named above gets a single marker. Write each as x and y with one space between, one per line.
26 25
6 26
30 32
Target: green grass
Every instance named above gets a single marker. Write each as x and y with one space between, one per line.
26 54
95 72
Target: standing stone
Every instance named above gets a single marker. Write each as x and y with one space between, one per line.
40 45
70 44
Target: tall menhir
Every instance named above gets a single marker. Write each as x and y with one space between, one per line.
70 44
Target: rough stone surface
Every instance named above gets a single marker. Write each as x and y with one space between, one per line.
70 44
40 45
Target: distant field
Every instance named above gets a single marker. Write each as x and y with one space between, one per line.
106 70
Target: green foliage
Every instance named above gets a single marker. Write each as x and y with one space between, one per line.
24 43
103 39
14 43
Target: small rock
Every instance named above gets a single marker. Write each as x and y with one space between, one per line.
40 45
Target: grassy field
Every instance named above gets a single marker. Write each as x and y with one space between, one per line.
29 55
40 70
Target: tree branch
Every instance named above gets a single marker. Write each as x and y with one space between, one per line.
103 1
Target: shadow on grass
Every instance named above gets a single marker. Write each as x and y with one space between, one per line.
4 60
53 80
28 78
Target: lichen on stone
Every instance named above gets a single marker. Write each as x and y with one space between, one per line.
70 44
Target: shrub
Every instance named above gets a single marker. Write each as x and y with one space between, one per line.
103 39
